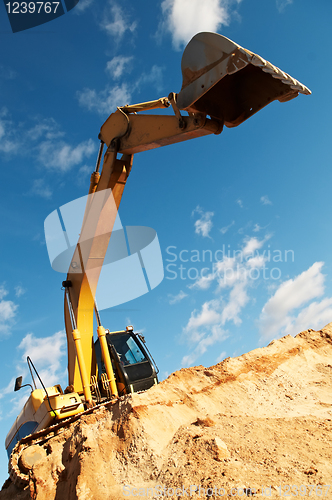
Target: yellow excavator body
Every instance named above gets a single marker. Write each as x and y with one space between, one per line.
40 410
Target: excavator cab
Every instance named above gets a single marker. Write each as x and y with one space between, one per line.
133 365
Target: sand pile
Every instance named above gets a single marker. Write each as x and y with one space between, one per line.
257 425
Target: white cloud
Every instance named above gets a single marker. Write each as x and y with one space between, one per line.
44 128
41 189
316 315
282 4
239 267
41 140
47 128
207 338
19 291
116 66
85 170
2 130
234 275
174 299
153 77
185 18
253 244
204 224
224 229
3 292
115 22
221 356
265 200
8 389
62 156
105 101
204 282
209 315
84 173
8 142
295 292
239 202
257 228
7 312
258 261
225 271
276 319
204 330
82 6
238 298
46 354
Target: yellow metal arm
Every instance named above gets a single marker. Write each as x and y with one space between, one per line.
107 361
163 102
126 134
135 133
87 262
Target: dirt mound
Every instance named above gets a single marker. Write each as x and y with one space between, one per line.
247 426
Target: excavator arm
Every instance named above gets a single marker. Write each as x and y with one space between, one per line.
86 265
127 133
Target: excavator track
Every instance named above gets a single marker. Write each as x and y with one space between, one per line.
21 477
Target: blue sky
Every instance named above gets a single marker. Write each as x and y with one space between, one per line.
243 218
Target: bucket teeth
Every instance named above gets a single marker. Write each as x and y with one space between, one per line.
257 60
278 74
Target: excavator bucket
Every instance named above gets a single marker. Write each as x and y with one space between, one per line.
227 82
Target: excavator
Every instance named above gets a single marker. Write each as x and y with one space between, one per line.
223 84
